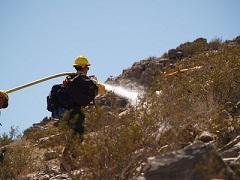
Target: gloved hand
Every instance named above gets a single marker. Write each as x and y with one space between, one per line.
3 100
101 89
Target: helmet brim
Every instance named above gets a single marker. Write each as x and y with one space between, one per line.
76 65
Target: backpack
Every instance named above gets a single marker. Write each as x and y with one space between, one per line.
53 98
82 90
76 91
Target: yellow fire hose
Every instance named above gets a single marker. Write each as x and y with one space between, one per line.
4 94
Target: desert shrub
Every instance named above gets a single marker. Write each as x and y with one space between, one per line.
196 98
114 146
186 104
17 161
34 134
215 44
15 156
192 48
7 138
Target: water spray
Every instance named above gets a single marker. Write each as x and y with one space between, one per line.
131 95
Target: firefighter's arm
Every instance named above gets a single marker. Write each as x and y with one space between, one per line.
3 100
101 87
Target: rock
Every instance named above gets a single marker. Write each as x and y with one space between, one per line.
77 172
44 177
53 139
234 163
206 137
197 161
141 72
50 155
237 108
123 113
229 107
45 121
232 152
37 176
200 40
30 176
174 54
61 176
44 139
231 143
232 149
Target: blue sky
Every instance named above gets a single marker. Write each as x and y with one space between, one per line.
42 37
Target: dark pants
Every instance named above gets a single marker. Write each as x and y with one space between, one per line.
74 117
58 112
76 120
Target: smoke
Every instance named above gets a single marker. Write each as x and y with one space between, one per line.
131 95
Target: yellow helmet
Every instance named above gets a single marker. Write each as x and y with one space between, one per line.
81 61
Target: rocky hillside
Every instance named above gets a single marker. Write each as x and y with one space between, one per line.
143 71
187 125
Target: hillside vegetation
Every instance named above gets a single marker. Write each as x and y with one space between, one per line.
196 89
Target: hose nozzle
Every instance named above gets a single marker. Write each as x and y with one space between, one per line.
101 87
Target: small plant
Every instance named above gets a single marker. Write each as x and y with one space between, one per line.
15 158
215 44
6 139
34 134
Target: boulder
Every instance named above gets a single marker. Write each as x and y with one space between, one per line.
141 72
232 152
198 161
172 54
206 137
232 149
50 155
234 163
200 40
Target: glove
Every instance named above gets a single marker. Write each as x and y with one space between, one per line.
101 89
3 100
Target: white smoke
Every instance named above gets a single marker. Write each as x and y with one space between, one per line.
131 95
